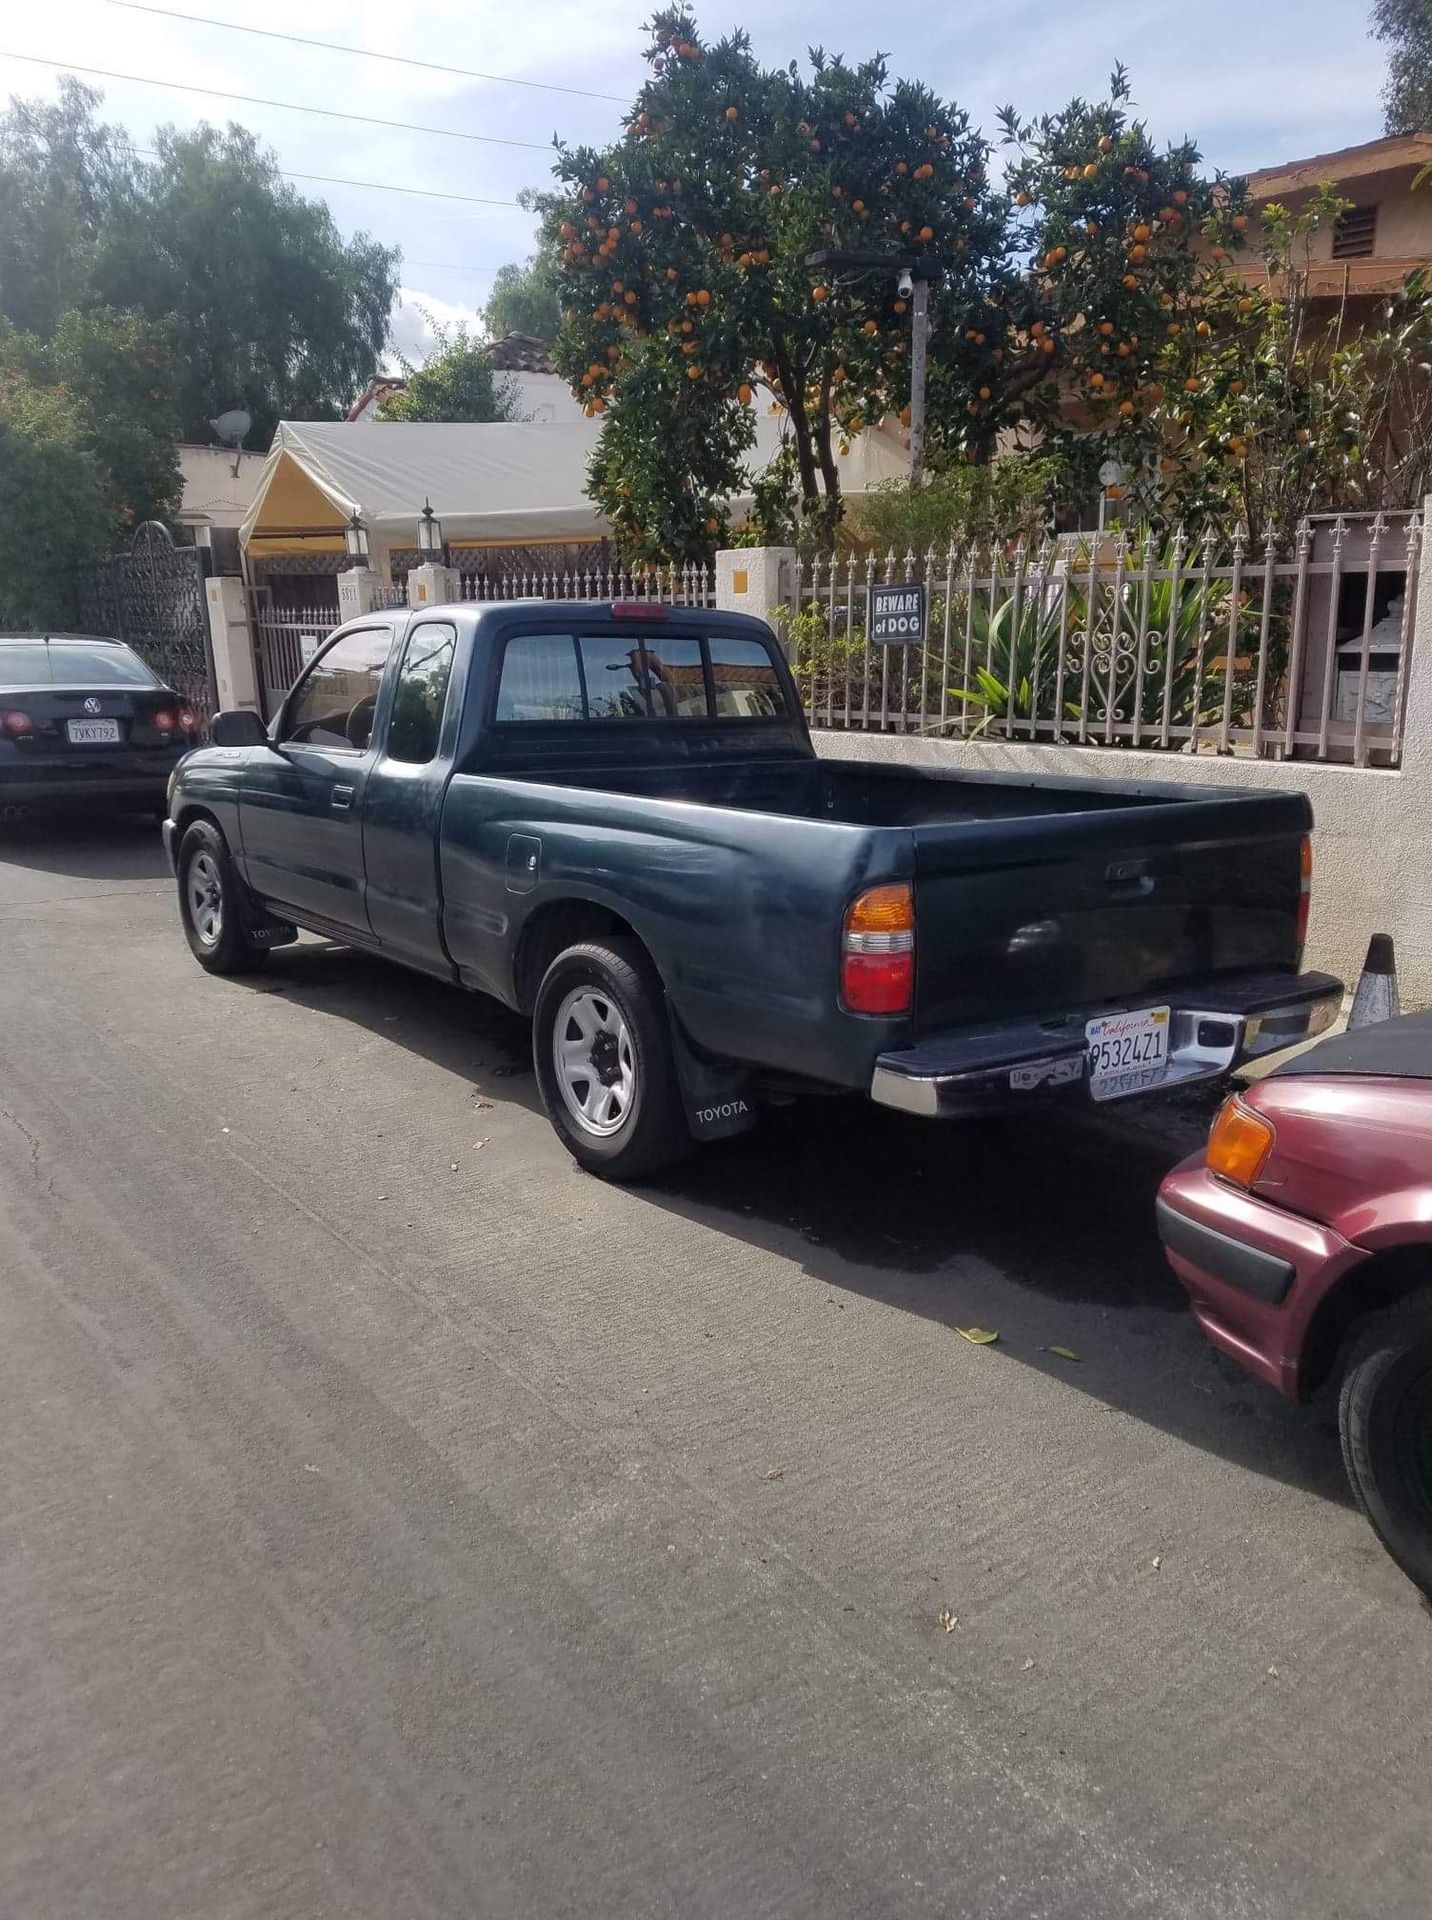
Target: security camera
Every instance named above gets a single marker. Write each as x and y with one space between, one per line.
905 285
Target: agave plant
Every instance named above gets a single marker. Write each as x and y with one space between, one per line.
1013 654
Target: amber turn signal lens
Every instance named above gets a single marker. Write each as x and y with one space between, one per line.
1239 1145
882 910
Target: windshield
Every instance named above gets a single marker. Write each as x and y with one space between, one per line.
71 663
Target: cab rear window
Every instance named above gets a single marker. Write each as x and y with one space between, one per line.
614 675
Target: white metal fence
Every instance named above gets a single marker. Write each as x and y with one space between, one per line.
1296 651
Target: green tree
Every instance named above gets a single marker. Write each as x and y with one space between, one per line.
524 299
1405 28
681 256
56 506
456 382
272 309
61 174
123 370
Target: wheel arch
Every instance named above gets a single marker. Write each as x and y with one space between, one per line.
1373 1285
558 924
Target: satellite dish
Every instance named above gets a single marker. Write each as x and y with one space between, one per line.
232 427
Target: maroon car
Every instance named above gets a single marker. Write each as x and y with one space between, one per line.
1304 1236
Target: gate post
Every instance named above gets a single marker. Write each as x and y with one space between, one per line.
233 646
357 593
755 580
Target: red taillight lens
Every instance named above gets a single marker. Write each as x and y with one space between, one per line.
163 721
639 610
877 959
188 720
15 722
1305 892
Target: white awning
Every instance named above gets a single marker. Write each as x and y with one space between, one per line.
511 481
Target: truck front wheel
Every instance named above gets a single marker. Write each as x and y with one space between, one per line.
605 1067
1385 1417
210 906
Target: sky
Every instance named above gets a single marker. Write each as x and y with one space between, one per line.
1252 81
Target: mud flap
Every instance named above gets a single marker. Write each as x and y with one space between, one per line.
716 1097
265 929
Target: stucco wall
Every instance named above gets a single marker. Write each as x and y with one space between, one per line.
1372 847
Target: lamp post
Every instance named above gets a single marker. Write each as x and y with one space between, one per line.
915 273
355 538
430 537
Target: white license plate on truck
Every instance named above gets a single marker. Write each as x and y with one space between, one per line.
92 733
1127 1052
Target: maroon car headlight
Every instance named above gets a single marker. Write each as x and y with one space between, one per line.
1239 1143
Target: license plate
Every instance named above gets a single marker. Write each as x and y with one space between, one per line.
92 733
1127 1052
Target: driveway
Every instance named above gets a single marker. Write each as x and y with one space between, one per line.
397 1522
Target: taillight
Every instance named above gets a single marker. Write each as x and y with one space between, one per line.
163 721
1239 1145
877 958
188 720
1305 892
15 722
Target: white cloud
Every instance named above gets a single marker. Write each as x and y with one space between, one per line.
413 337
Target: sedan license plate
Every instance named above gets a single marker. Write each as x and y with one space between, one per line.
1127 1052
92 733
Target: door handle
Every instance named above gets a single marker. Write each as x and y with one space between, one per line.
342 797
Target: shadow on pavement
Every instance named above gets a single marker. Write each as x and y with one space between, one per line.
85 846
1041 1226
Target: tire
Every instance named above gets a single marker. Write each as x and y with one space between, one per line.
615 1106
217 938
1385 1420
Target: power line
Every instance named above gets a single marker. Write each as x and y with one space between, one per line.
287 106
363 53
371 186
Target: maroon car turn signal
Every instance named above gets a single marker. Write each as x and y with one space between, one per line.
877 962
1239 1145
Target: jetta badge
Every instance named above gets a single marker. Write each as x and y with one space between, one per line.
92 705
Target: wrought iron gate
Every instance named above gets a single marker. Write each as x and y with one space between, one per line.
152 598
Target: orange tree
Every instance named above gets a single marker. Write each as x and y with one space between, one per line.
1114 338
680 256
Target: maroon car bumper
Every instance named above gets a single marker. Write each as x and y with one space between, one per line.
1254 1273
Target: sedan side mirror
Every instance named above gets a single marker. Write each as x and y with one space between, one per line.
239 727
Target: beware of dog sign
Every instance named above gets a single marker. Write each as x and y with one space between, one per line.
897 615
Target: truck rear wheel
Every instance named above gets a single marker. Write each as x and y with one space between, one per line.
605 1067
1385 1419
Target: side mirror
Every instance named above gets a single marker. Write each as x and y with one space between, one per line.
238 727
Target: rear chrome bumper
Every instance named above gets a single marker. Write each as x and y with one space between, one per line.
1214 1026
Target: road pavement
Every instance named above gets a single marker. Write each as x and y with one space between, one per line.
401 1525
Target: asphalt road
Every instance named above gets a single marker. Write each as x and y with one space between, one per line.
397 1522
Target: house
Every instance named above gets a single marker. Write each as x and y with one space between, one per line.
1383 235
219 484
540 394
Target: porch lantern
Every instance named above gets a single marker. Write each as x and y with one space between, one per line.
430 536
355 538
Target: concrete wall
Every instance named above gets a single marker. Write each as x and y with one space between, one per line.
1372 847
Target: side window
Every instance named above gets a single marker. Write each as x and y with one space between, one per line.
540 680
744 679
333 705
421 692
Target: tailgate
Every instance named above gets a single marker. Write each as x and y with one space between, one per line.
1059 911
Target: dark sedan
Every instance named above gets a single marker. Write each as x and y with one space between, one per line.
86 719
1304 1236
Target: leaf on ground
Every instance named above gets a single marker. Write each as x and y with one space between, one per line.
949 1621
1062 1353
977 1336
482 1106
774 1473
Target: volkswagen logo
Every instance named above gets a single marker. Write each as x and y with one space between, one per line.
92 705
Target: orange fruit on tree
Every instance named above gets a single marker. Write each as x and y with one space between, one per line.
1130 280
1138 253
713 526
1173 329
693 373
1239 222
1245 305
1192 384
1022 199
1106 327
1142 230
603 184
1235 386
629 297
703 297
1091 170
1202 329
1180 198
984 393
858 205
927 234
743 394
733 113
900 167
905 415
819 293
902 306
1106 145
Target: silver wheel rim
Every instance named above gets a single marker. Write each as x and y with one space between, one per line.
594 1060
206 898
